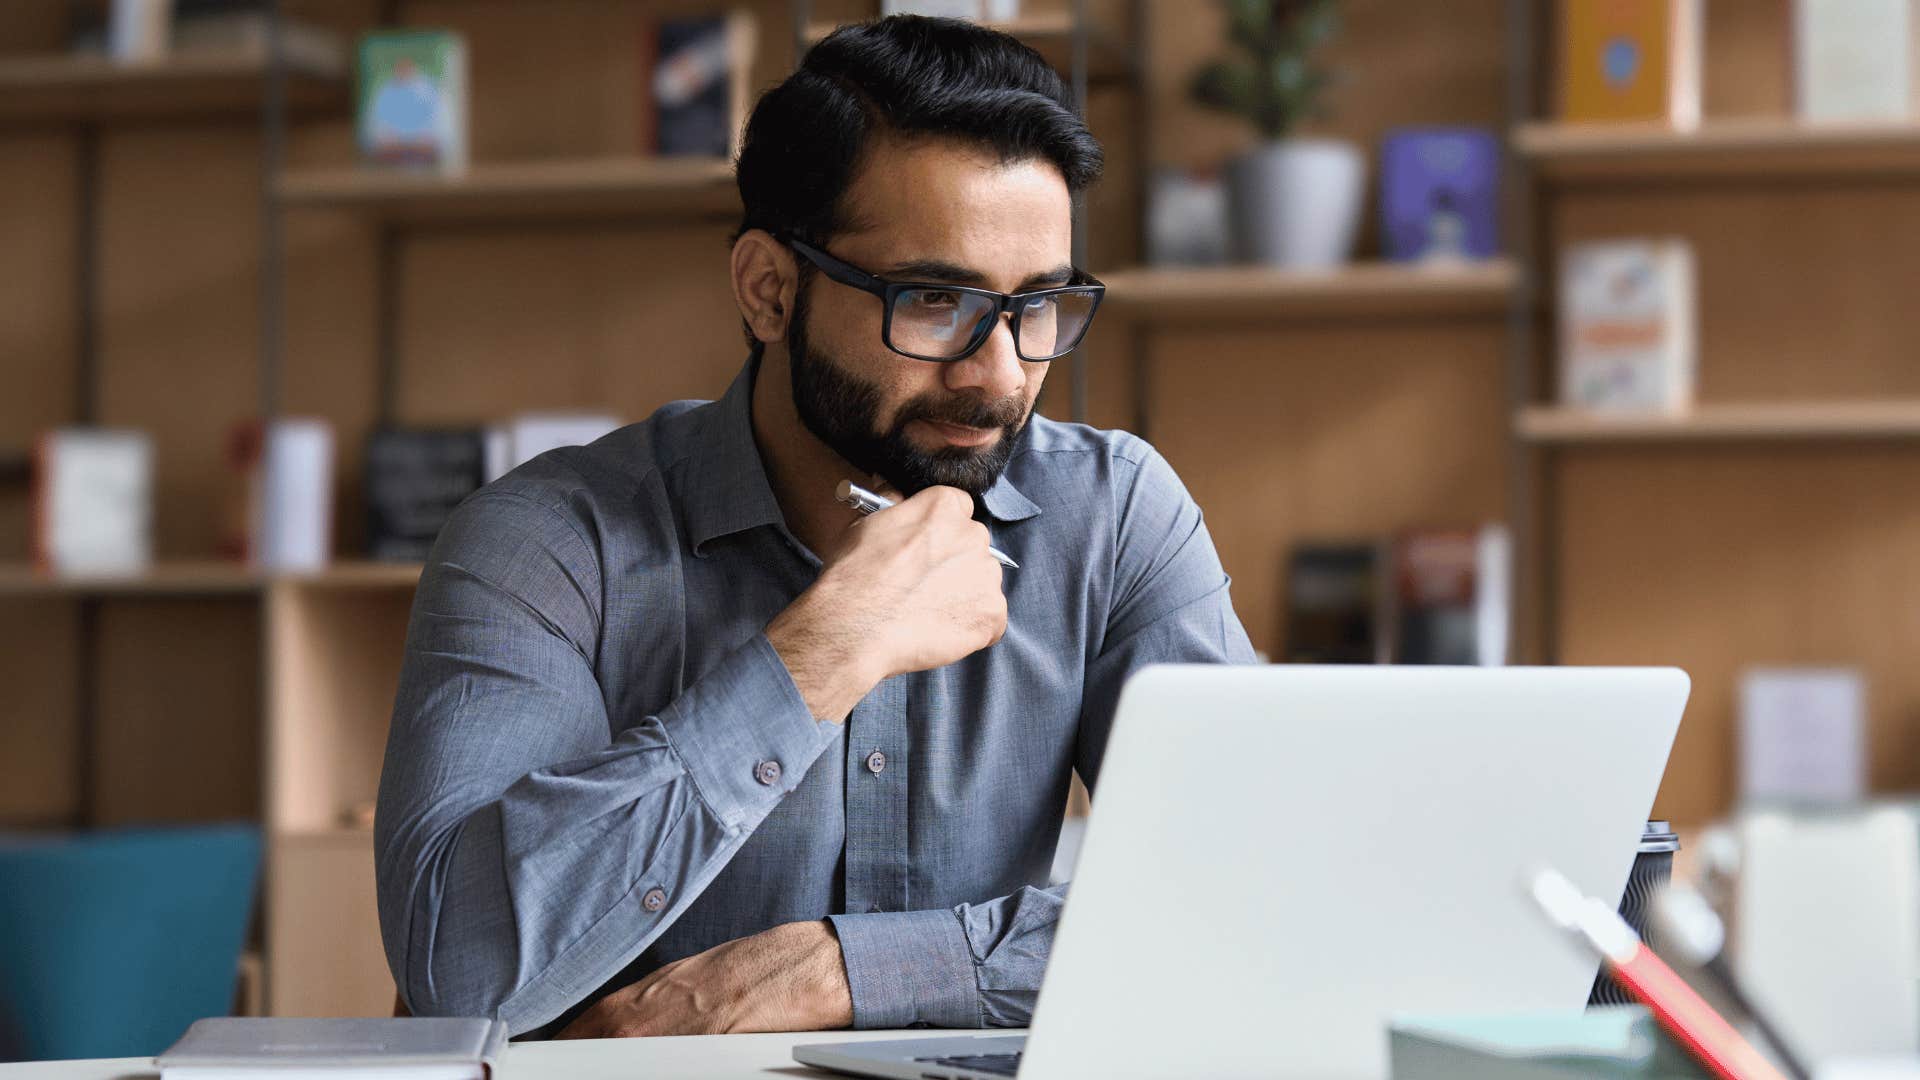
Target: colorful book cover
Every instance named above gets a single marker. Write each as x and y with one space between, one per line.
1440 194
1626 60
412 101
700 84
1627 335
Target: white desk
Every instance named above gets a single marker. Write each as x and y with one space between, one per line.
693 1057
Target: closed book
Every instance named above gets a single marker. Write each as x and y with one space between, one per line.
283 518
1440 194
411 106
93 501
701 81
408 1048
1628 335
1853 59
414 479
1625 60
1335 605
1451 596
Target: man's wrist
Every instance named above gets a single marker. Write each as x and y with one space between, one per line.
829 660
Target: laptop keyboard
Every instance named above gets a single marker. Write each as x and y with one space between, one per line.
998 1064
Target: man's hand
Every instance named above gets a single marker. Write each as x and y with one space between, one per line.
914 588
789 978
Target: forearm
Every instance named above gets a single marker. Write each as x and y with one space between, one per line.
522 904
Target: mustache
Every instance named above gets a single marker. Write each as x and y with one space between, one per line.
965 411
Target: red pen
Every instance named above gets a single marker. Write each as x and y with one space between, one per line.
1684 1013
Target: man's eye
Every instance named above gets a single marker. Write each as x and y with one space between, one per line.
938 301
1038 304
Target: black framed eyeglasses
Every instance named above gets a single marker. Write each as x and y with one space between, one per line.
944 323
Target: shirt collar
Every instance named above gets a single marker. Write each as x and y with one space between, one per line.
731 494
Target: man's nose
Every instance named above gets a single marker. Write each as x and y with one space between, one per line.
994 368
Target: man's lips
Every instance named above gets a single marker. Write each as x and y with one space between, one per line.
960 435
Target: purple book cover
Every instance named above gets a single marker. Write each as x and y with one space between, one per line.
1440 194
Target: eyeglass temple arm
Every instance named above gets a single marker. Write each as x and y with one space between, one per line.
844 273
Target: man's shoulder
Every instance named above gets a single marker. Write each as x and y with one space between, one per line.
1057 451
613 471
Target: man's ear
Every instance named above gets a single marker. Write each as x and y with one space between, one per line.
765 282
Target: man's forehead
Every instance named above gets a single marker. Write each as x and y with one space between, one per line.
946 200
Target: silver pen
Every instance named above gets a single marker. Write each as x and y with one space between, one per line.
868 503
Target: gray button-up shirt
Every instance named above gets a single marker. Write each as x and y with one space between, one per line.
598 764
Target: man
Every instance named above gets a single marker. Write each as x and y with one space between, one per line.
682 744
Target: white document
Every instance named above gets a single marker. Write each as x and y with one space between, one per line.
1803 736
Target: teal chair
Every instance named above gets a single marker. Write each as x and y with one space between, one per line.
112 942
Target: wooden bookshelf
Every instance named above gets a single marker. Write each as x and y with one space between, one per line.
1049 33
60 88
1815 421
185 579
202 578
663 189
1758 148
1245 294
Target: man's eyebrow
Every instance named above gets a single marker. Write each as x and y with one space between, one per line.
954 274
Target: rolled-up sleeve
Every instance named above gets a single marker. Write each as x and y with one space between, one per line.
980 965
525 853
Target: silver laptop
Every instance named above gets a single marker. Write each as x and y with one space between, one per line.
1279 858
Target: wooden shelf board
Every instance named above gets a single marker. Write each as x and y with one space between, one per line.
70 88
199 579
358 574
1757 147
1049 33
1256 294
1871 420
617 187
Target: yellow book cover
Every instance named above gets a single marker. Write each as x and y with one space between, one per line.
1624 60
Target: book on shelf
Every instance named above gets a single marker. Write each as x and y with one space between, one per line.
1627 60
411 102
1628 336
1336 604
1803 736
93 501
696 76
414 479
1853 59
283 517
1440 194
1451 596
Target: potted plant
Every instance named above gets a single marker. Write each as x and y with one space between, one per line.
1294 201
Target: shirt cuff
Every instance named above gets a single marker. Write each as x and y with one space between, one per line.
909 968
744 734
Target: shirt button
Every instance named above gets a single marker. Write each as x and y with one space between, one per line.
654 900
876 763
767 772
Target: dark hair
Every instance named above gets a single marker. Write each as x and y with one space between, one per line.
907 75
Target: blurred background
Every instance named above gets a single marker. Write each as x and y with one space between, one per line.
1542 331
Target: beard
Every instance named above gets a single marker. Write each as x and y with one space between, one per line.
843 411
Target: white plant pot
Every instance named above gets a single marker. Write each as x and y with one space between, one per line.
1296 202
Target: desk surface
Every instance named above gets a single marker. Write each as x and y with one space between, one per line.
693 1057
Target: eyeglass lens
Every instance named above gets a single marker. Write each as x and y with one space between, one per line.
941 323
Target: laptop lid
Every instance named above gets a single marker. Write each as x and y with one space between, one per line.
1281 857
